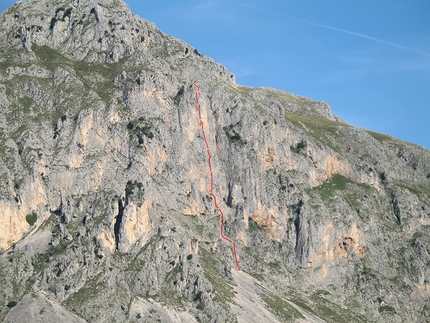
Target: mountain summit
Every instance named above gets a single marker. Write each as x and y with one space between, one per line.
105 201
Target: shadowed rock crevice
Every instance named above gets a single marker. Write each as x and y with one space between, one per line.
230 195
302 235
177 98
396 208
118 222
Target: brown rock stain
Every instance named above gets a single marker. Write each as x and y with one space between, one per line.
268 157
155 161
114 116
242 238
75 161
136 223
85 126
348 243
13 215
327 234
194 208
197 175
266 218
289 136
331 167
324 269
106 240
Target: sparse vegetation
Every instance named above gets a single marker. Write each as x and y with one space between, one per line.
91 290
40 261
224 291
253 226
281 308
72 127
379 136
333 313
200 306
133 186
386 309
141 128
177 98
321 129
31 218
233 136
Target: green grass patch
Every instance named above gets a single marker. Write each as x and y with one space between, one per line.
379 137
91 290
26 102
137 261
322 129
304 305
281 308
386 309
49 57
322 292
275 265
333 313
253 226
61 247
418 235
224 291
286 98
418 190
354 201
339 183
31 218
171 276
39 262
200 306
396 280
327 189
11 57
367 271
192 221
298 150
315 123
172 300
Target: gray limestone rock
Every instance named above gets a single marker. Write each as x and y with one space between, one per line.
105 202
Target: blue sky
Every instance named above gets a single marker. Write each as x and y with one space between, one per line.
370 60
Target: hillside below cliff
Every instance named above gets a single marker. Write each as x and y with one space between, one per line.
105 207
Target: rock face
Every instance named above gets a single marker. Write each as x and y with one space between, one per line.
104 200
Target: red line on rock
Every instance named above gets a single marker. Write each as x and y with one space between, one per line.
211 186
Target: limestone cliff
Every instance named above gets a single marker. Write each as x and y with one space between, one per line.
105 207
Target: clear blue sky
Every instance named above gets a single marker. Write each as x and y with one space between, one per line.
370 60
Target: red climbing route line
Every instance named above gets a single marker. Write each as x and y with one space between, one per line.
212 178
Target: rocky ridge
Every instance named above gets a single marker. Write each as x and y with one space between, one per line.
104 204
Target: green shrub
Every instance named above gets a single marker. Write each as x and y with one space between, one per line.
177 98
233 136
386 309
201 306
31 218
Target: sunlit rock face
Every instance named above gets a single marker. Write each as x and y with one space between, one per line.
105 205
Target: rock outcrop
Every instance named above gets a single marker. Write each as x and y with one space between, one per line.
104 200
